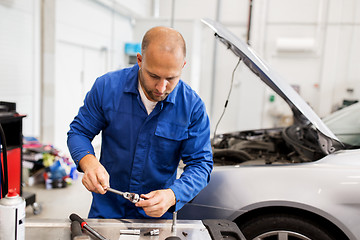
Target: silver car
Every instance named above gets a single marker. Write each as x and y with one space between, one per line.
297 182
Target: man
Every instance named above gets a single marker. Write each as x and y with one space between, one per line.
150 119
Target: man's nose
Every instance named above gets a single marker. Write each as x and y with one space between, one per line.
161 85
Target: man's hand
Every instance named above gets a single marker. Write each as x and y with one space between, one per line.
96 178
157 202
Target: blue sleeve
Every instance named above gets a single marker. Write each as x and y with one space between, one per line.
87 124
197 156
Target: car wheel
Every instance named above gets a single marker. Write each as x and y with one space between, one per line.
283 227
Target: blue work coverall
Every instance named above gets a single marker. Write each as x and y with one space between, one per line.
141 152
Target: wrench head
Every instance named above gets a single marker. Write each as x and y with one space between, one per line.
132 197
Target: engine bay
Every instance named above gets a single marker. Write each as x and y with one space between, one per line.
266 146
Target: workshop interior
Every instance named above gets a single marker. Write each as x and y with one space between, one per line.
280 81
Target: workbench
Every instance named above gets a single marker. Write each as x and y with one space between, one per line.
45 229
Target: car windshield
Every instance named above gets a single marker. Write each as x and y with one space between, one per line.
345 124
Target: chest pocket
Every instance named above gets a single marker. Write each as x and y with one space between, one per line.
167 143
171 131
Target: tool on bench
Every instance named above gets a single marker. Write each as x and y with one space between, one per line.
132 197
130 231
173 228
76 233
153 232
75 217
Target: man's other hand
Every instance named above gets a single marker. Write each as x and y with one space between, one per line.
157 202
96 178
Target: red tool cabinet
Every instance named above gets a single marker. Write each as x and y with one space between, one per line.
12 127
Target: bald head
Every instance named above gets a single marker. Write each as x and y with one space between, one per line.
163 39
161 62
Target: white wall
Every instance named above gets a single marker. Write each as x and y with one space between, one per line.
341 53
47 67
311 43
90 39
216 66
19 58
89 35
324 71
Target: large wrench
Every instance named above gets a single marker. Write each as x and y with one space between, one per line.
132 197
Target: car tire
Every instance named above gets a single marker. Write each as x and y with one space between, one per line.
284 226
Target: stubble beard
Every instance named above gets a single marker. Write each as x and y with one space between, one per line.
149 93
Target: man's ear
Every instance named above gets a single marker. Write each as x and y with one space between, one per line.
139 59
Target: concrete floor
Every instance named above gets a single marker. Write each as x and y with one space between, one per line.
59 203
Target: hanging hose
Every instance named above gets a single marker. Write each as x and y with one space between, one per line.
4 175
228 97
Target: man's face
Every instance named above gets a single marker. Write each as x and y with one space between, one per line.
159 72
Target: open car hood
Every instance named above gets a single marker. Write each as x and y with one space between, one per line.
303 114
